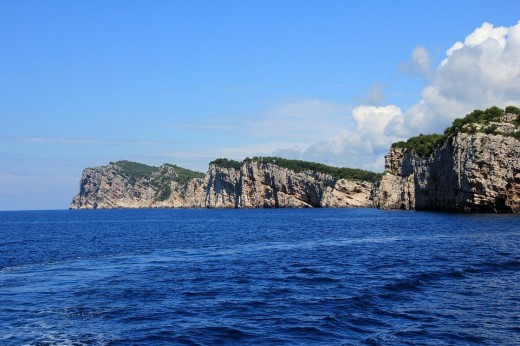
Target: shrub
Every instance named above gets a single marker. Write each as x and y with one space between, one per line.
183 175
336 172
513 110
164 192
226 163
135 169
424 145
491 129
492 114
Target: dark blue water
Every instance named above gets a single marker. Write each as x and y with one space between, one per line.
275 277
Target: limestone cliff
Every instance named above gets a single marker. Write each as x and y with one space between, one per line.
266 185
473 167
253 184
475 170
115 186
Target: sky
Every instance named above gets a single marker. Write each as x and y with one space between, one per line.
83 83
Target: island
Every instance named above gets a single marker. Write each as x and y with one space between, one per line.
474 166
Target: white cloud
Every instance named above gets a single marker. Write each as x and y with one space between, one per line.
362 146
420 62
480 72
479 36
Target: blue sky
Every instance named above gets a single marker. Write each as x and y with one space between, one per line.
185 82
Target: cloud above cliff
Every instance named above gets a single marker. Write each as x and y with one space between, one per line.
419 63
362 145
479 72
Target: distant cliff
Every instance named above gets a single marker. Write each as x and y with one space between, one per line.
473 167
257 183
126 184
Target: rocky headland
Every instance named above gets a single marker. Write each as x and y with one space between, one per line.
253 183
473 167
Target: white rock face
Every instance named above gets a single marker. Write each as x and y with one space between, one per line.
471 173
222 187
105 188
254 185
397 188
266 185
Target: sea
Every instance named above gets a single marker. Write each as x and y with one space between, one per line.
259 277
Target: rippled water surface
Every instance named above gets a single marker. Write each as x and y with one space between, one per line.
275 277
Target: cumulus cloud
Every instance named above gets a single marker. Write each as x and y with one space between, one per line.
420 62
362 146
479 72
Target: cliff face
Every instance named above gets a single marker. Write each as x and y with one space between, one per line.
254 185
471 172
397 187
477 169
107 187
265 185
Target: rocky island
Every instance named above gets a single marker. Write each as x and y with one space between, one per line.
473 167
265 182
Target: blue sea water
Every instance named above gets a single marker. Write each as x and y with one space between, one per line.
267 277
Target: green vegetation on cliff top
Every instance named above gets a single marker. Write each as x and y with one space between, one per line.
421 145
302 166
476 121
335 172
136 171
227 163
184 175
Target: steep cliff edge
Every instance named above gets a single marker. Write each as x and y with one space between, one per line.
125 184
267 185
473 167
256 183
